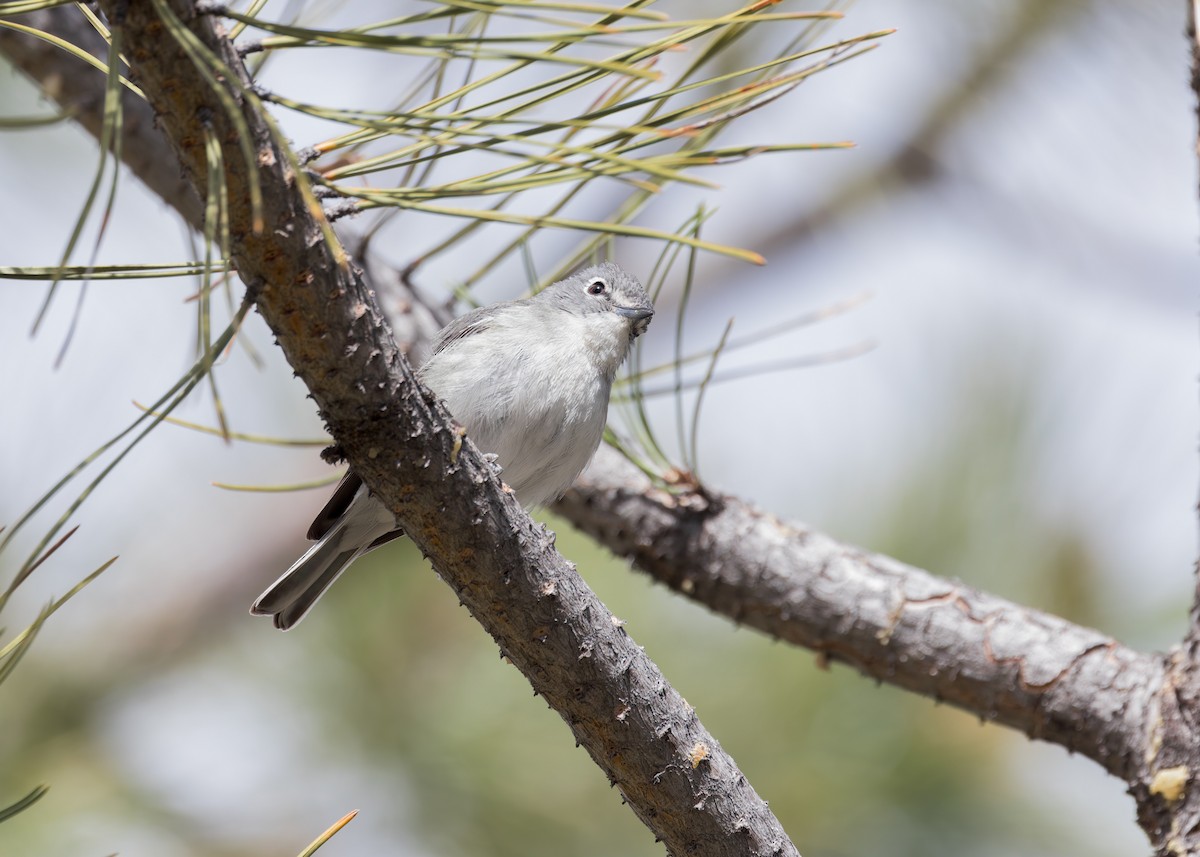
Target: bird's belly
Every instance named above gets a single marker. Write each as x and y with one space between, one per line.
541 442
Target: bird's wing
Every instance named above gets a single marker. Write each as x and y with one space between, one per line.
473 322
336 506
476 321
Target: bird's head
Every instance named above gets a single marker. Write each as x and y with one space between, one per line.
605 293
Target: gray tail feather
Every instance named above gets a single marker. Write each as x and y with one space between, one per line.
291 596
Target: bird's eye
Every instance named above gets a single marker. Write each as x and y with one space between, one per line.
597 287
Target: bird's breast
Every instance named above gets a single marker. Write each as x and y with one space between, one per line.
538 403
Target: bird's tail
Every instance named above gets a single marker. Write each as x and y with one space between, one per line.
291 596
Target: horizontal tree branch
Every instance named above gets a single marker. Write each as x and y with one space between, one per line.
1002 661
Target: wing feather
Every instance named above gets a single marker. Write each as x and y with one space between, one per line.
336 506
476 321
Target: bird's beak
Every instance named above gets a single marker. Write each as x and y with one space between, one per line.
639 317
634 313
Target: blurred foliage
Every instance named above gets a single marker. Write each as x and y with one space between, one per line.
956 509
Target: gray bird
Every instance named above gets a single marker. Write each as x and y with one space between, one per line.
530 380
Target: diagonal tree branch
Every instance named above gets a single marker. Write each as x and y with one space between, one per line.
78 89
400 440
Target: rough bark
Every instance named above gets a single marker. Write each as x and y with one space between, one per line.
398 437
1002 661
1133 713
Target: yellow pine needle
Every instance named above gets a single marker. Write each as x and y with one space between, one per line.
328 834
278 489
248 438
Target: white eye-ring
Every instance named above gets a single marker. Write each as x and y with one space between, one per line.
597 287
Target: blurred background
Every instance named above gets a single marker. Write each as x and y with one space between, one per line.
1021 207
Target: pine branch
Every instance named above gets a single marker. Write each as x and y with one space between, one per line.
401 441
1004 662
